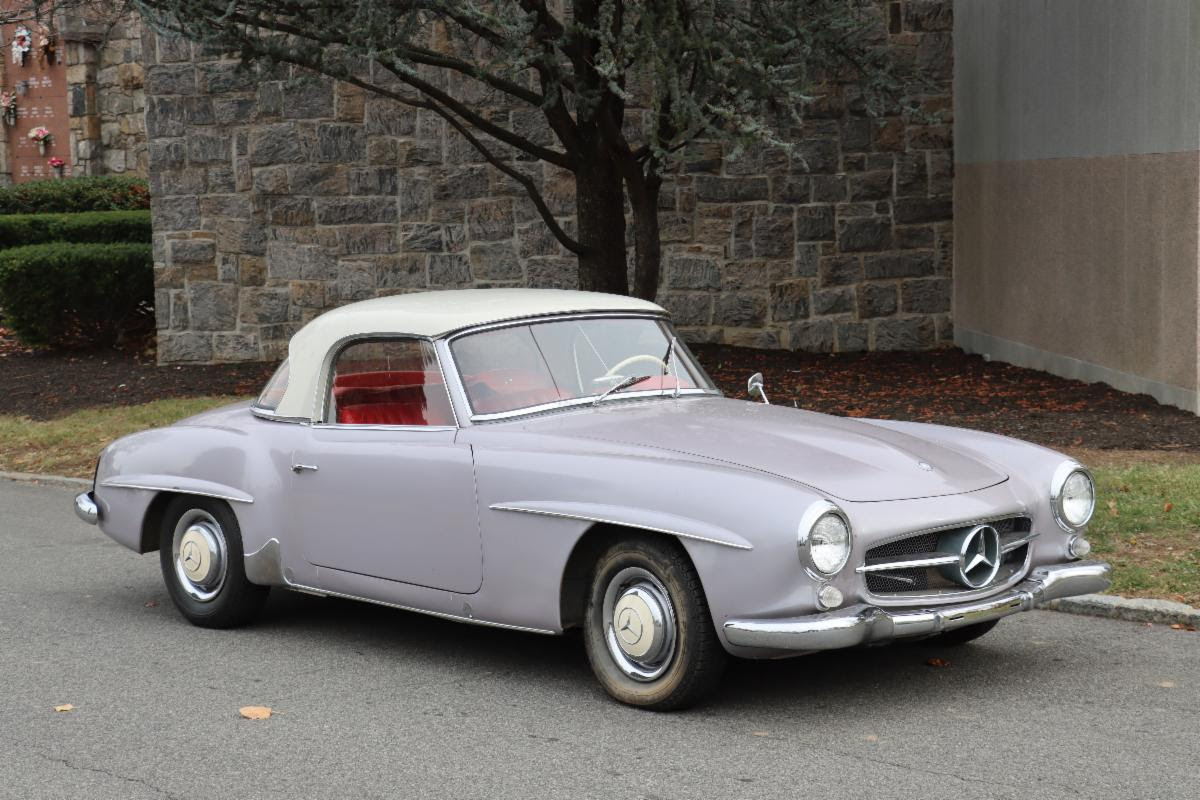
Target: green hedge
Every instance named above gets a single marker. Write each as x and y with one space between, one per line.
98 193
67 294
86 226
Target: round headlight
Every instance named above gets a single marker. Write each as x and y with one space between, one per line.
1073 495
825 538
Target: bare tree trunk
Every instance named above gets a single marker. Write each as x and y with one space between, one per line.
643 197
600 210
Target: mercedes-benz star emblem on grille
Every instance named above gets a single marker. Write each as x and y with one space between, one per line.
978 551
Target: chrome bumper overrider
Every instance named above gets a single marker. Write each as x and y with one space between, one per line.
86 508
863 624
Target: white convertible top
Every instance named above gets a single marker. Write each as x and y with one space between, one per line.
428 314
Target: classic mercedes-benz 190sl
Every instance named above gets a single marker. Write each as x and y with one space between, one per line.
547 460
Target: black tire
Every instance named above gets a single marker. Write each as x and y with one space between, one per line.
963 635
234 600
696 661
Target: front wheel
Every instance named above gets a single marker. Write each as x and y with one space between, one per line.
200 551
648 633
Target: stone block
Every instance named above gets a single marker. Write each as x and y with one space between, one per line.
318 179
832 301
495 261
212 306
374 180
693 272
356 280
814 223
864 234
286 260
490 220
165 79
740 309
174 348
449 270
711 189
339 142
852 337
898 265
789 300
190 252
277 144
402 272
927 296
910 210
236 347
815 336
307 294
264 306
204 148
875 185
912 333
175 213
358 239
876 300
309 97
423 238
775 234
290 211
688 308
356 210
552 273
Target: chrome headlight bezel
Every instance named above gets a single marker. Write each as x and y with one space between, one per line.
812 515
1057 483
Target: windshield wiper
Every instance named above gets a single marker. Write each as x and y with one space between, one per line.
625 384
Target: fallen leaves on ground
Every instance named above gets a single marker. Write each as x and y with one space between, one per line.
938 662
152 604
1179 626
255 712
1167 507
64 707
1166 684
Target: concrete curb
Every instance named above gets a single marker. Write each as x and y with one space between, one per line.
1133 609
33 477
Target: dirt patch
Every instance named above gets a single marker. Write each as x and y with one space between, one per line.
943 386
951 387
50 385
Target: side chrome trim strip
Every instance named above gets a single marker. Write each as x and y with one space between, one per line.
589 518
441 614
111 484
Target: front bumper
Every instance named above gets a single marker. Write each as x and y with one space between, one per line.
863 624
86 508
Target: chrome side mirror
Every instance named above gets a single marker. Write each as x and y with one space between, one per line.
754 387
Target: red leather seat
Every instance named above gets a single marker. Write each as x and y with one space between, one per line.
391 398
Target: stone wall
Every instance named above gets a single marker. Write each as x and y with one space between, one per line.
276 196
106 97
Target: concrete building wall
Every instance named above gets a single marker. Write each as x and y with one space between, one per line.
277 196
1076 189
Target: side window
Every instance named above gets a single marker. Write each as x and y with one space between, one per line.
389 382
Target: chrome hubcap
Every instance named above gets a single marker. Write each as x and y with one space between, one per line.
200 554
639 624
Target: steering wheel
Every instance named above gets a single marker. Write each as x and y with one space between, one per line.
616 368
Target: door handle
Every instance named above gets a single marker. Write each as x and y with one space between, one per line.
298 468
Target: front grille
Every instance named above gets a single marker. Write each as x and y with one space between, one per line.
927 579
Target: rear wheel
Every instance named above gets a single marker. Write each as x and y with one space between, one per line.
966 634
200 551
647 630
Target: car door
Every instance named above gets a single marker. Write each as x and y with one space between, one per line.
382 488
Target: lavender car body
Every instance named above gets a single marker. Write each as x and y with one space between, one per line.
492 518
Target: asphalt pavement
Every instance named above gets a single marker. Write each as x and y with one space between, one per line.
371 703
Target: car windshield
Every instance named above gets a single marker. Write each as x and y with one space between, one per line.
522 366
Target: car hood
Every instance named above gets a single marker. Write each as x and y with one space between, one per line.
844 458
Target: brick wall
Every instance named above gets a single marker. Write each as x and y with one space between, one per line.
276 196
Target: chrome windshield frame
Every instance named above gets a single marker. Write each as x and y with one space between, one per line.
460 389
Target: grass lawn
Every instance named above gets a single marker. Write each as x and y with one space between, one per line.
1147 520
69 445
